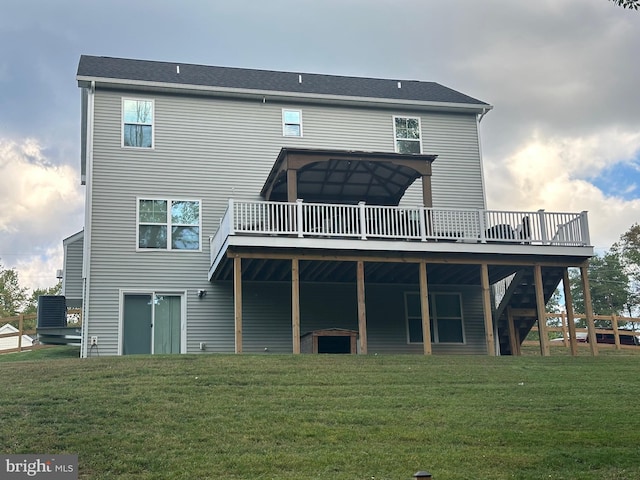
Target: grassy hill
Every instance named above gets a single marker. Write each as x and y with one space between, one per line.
326 417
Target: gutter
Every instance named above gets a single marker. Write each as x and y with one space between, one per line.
480 108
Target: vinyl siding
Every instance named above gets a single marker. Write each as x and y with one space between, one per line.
72 280
212 150
267 317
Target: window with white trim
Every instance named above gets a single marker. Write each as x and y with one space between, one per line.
137 123
406 132
291 123
166 224
445 317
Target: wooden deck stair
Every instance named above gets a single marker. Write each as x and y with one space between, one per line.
521 296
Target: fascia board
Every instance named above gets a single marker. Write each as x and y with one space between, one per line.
274 94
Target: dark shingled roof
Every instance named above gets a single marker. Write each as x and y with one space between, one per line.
265 80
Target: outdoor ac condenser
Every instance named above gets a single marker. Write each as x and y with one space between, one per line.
52 311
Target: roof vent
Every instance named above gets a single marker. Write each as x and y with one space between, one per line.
178 69
399 84
299 78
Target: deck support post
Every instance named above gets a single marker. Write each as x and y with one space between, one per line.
487 310
237 302
362 311
295 304
568 305
424 308
541 311
588 308
514 333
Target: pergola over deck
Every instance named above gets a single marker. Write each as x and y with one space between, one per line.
350 221
346 177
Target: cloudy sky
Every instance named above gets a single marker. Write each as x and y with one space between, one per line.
563 77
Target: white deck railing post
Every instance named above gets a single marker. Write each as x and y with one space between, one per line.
543 227
232 218
584 225
422 213
299 215
362 214
482 224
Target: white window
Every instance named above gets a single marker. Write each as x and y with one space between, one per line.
406 131
445 317
291 123
169 224
137 123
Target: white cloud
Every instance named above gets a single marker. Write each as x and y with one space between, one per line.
40 204
553 173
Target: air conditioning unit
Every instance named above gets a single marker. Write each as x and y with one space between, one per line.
52 311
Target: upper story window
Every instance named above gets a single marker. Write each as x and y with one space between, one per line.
291 123
445 318
169 224
137 123
406 131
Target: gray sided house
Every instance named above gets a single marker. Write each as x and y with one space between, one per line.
236 210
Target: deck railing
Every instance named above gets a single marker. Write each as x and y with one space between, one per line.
401 223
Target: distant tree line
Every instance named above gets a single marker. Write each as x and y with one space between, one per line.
15 299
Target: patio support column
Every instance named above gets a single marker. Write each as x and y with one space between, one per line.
295 304
486 307
292 185
424 308
541 311
427 195
568 305
362 311
588 308
237 302
514 334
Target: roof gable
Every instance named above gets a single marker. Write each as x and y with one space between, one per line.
180 74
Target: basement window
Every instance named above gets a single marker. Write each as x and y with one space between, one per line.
445 317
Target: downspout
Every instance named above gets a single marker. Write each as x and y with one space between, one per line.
484 112
484 190
86 254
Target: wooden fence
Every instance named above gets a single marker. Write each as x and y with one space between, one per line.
614 331
19 322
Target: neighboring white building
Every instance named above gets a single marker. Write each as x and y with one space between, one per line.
8 343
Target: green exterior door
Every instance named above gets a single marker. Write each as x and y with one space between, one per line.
166 324
151 323
137 324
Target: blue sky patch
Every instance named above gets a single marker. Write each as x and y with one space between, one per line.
620 180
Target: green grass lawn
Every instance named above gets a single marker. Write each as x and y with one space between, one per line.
326 417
